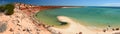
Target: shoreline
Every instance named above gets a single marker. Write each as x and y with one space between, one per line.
22 21
59 30
26 17
107 28
62 26
76 28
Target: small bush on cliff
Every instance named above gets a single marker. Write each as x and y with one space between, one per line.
7 8
2 9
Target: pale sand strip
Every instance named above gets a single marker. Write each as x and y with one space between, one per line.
75 28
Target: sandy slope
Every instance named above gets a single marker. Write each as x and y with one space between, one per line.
20 23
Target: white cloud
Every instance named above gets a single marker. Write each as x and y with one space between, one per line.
111 4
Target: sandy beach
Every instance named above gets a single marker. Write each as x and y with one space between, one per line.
76 28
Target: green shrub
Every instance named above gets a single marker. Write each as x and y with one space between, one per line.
7 8
2 9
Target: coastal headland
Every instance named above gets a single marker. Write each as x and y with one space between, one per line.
22 21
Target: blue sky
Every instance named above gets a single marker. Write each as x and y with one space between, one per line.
69 2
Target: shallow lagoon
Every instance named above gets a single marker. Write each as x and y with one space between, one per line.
89 16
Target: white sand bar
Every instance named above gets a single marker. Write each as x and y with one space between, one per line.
75 28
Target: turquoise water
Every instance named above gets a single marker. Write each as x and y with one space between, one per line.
98 17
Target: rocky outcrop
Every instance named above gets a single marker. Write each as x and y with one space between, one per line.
3 27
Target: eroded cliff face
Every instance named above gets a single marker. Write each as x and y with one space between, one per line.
20 23
31 9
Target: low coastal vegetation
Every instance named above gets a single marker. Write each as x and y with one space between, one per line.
7 9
